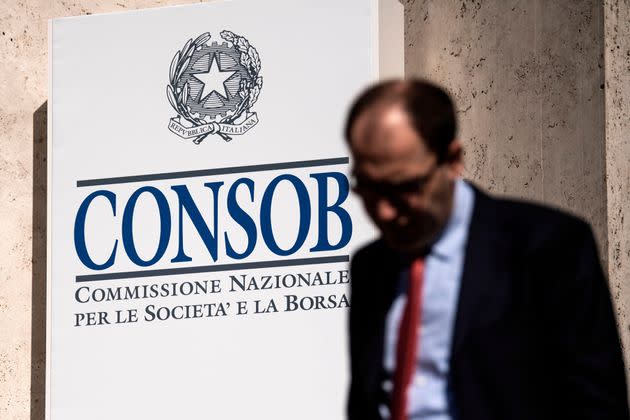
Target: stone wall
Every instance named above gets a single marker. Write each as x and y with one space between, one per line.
617 59
527 77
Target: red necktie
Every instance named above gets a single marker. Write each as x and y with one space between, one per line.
406 348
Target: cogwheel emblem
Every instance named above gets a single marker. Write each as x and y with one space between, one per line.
213 87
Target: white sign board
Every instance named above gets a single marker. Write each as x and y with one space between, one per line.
200 221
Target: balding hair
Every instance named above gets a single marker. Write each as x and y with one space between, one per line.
429 107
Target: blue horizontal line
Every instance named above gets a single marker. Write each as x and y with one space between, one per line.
212 268
213 172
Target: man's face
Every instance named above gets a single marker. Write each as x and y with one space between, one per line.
406 192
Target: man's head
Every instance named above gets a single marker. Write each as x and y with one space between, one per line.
406 160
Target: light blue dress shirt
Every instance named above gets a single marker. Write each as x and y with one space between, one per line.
428 393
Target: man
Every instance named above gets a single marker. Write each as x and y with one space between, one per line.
468 306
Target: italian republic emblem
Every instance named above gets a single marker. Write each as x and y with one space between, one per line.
213 87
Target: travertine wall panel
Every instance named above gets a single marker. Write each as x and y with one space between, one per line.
487 59
617 58
572 110
526 77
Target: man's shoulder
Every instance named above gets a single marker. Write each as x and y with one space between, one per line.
525 216
507 217
370 249
529 228
371 256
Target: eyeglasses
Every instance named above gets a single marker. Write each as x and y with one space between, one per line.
396 193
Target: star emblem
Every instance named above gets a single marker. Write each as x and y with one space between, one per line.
213 80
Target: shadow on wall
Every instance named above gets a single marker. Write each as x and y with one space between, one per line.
38 314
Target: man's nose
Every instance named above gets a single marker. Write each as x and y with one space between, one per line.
385 211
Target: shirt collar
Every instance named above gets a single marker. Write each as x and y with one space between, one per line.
453 237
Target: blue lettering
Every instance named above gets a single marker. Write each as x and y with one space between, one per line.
186 203
323 244
165 226
79 231
329 210
242 218
265 215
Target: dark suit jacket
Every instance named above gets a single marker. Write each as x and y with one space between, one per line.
535 334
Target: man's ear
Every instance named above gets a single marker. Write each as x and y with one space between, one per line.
455 158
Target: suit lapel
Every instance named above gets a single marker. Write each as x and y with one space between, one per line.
382 271
388 272
482 268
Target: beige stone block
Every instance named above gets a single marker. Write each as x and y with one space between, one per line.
617 94
526 78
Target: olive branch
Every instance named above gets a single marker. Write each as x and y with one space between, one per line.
248 89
